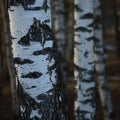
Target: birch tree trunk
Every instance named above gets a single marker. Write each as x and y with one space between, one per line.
63 21
84 60
58 24
32 43
102 81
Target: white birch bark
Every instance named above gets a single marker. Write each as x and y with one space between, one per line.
102 81
84 60
33 59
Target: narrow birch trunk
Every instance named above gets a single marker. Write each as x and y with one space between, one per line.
102 81
84 60
58 22
63 21
32 44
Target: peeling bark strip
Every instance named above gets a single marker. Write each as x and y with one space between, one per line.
32 44
84 60
102 81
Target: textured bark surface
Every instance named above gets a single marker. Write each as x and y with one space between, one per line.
84 60
32 43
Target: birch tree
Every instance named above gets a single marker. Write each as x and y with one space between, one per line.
58 22
102 81
63 21
84 60
32 44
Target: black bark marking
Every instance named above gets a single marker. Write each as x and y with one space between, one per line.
79 68
77 43
20 61
96 40
77 8
87 16
91 89
91 25
82 29
91 63
82 69
45 6
87 80
41 97
31 87
32 75
25 4
43 51
25 40
90 72
90 38
87 101
38 32
52 67
86 53
13 37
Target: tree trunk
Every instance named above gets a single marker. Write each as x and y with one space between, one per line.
7 76
63 21
32 43
102 82
69 67
84 60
